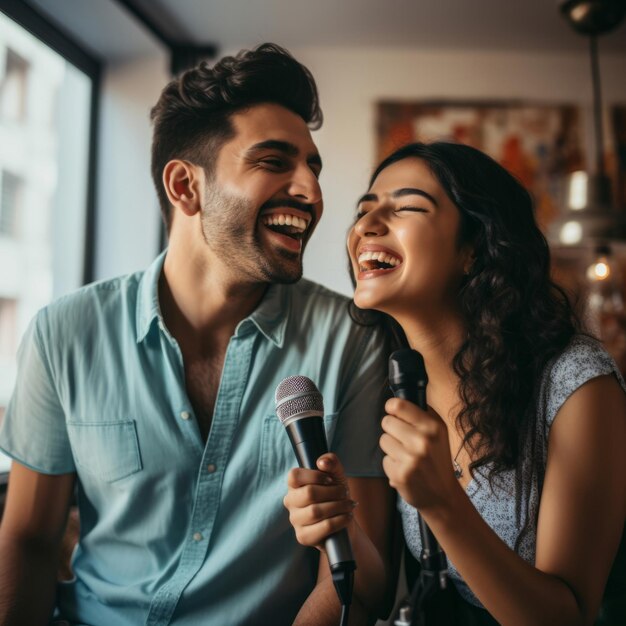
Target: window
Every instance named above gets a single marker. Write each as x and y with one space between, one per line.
8 335
48 97
10 196
8 317
13 87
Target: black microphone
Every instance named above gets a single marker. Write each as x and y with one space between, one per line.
408 380
300 408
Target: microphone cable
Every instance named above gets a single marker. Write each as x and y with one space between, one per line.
343 579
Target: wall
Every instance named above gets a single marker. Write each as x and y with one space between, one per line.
350 82
128 222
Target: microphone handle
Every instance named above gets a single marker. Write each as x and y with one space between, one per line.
308 439
433 558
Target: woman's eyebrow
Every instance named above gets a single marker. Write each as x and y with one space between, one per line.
405 191
368 197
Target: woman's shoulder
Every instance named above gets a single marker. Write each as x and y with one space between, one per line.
583 359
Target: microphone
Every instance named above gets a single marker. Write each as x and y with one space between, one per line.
300 408
408 380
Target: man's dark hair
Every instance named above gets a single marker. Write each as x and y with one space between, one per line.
192 117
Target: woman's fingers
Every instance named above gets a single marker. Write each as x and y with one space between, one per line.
412 416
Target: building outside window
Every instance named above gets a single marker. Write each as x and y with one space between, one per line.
45 110
11 188
13 90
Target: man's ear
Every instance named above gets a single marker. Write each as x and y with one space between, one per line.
181 181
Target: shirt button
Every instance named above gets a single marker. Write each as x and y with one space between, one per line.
197 537
185 415
210 468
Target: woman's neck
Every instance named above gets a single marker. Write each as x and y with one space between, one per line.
438 341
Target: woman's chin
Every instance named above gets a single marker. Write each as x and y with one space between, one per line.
365 299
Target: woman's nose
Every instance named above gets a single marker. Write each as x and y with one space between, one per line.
370 225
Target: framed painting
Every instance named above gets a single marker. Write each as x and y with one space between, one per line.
537 143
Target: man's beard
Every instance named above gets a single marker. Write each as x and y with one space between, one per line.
226 229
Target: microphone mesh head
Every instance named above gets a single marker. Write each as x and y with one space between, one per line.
295 395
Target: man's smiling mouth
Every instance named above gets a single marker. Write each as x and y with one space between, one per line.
288 224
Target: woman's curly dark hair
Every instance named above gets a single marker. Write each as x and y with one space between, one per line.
517 318
192 116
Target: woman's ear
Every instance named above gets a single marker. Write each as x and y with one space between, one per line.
181 183
468 260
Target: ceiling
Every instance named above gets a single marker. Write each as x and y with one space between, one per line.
111 32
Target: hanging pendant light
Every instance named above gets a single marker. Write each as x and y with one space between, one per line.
589 217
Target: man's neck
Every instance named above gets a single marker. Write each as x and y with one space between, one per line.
200 303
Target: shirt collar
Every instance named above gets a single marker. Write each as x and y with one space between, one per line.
148 308
270 317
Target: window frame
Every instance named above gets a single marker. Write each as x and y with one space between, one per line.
66 46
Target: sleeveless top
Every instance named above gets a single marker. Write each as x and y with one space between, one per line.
582 360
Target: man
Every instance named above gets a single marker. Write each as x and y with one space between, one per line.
154 392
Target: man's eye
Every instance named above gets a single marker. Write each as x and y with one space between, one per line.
413 209
359 215
275 163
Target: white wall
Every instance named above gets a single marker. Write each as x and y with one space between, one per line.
350 82
128 219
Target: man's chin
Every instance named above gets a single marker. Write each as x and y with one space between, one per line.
288 268
286 277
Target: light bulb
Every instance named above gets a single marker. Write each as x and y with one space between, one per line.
600 269
605 302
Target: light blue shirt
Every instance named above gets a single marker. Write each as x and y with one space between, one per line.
174 531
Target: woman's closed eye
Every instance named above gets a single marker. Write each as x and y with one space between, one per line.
411 209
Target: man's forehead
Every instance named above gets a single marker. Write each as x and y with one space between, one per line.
263 123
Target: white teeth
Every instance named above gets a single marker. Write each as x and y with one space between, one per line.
381 257
285 219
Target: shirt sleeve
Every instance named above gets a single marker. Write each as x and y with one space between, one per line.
33 431
583 360
362 407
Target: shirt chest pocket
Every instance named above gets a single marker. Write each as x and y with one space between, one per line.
108 451
277 456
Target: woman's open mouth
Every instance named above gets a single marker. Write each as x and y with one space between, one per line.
376 262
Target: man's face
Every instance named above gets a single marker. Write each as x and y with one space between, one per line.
263 200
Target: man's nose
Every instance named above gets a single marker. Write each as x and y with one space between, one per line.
305 186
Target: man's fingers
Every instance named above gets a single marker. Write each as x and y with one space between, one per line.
298 477
315 494
316 513
330 464
315 534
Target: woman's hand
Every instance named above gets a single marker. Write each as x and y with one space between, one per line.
319 502
417 462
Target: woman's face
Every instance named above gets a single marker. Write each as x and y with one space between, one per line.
404 244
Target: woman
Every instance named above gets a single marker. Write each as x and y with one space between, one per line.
519 465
